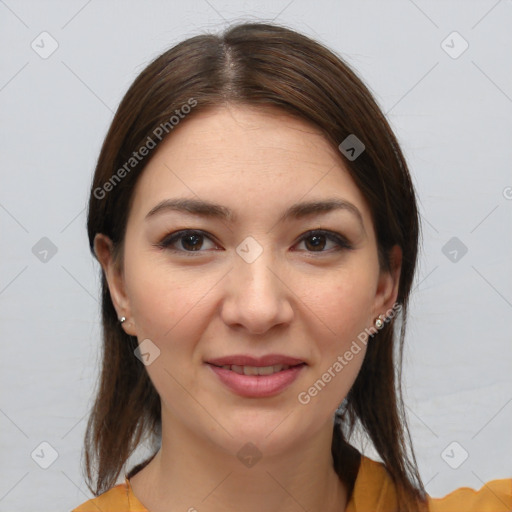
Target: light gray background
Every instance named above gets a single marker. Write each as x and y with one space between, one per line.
453 117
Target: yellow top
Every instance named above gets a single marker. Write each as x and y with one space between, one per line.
373 492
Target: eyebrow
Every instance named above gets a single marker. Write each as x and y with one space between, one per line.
213 210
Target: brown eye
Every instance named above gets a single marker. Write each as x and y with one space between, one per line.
317 241
191 242
186 241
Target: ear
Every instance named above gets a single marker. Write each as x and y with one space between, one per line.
103 248
389 280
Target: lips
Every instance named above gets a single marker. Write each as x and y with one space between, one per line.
256 377
255 370
246 360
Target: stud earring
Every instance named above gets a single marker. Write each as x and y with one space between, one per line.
379 322
122 319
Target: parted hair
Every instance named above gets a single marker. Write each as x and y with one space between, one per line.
266 65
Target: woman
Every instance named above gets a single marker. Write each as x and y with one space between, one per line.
257 229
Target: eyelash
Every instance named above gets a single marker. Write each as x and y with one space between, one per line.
339 240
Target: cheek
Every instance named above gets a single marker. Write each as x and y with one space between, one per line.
343 302
166 302
341 312
169 307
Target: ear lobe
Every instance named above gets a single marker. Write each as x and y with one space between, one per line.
389 281
104 251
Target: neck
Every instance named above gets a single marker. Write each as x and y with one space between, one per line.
192 474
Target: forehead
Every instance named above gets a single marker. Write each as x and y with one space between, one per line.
245 157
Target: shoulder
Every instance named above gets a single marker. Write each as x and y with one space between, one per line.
118 499
493 496
374 490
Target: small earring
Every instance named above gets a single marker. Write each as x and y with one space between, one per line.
379 322
122 319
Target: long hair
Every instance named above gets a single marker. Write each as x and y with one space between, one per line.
259 65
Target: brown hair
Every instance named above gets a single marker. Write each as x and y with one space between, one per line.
260 65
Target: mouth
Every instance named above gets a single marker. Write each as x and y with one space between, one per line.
257 377
257 370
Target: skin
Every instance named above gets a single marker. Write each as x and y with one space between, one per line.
295 299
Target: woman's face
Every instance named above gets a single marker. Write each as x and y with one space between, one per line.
259 283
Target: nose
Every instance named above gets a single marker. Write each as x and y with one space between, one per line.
257 296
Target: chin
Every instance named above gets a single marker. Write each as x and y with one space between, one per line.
271 432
